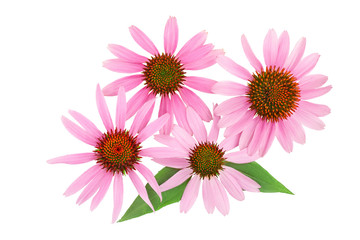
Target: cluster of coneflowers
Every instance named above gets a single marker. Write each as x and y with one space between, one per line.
270 102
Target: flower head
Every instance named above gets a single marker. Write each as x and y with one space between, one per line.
165 74
273 103
117 152
203 160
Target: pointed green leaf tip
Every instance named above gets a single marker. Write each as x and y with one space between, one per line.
253 170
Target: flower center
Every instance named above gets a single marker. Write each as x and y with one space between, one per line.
274 94
164 74
118 151
206 159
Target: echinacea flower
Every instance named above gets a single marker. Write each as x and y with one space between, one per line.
202 159
117 152
164 74
274 101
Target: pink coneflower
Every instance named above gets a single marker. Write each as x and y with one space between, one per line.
163 74
203 160
273 103
117 152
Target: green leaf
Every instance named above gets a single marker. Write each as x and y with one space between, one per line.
139 207
267 182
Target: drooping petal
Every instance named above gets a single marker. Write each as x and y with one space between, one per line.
172 162
79 132
104 186
91 188
243 123
234 117
254 144
180 113
103 110
183 137
306 65
169 141
250 55
82 180
149 178
128 82
240 157
86 123
140 188
295 129
120 116
148 115
153 127
221 198
190 194
125 54
248 133
233 68
229 88
283 49
230 143
77 158
270 48
165 107
294 58
214 131
231 105
283 137
118 189
309 120
268 138
140 116
197 125
192 100
143 40
171 35
195 42
312 81
200 83
208 196
232 186
313 93
162 152
117 65
177 179
245 182
318 110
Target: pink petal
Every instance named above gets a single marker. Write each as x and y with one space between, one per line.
86 124
200 84
143 40
180 112
120 117
309 120
77 158
103 110
268 138
283 49
206 61
165 107
313 93
177 179
243 123
148 115
270 48
125 54
197 125
104 186
79 132
232 186
248 133
208 196
196 54
318 110
257 138
250 55
190 194
140 116
221 198
153 127
117 65
128 82
294 58
284 137
312 81
171 35
91 188
240 157
233 68
306 65
140 188
231 105
296 130
118 189
195 42
162 152
183 137
245 182
169 141
229 88
230 143
232 118
192 100
172 162
149 178
83 180
214 131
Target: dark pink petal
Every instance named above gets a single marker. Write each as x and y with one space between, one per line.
243 123
103 110
196 54
149 178
83 180
283 49
195 42
197 125
232 186
318 110
183 137
86 124
309 120
118 189
143 40
104 186
165 107
294 58
208 196
172 162
240 157
284 137
206 61
248 133
313 93
250 55
306 65
270 48
230 143
229 88
128 82
91 188
312 81
120 66
171 35
200 84
140 188
257 138
135 103
153 127
221 198
125 54
77 158
230 105
233 68
148 115
180 112
296 130
214 131
120 117
79 132
140 116
162 152
190 194
268 138
192 100
177 179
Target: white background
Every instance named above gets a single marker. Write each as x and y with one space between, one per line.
51 55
